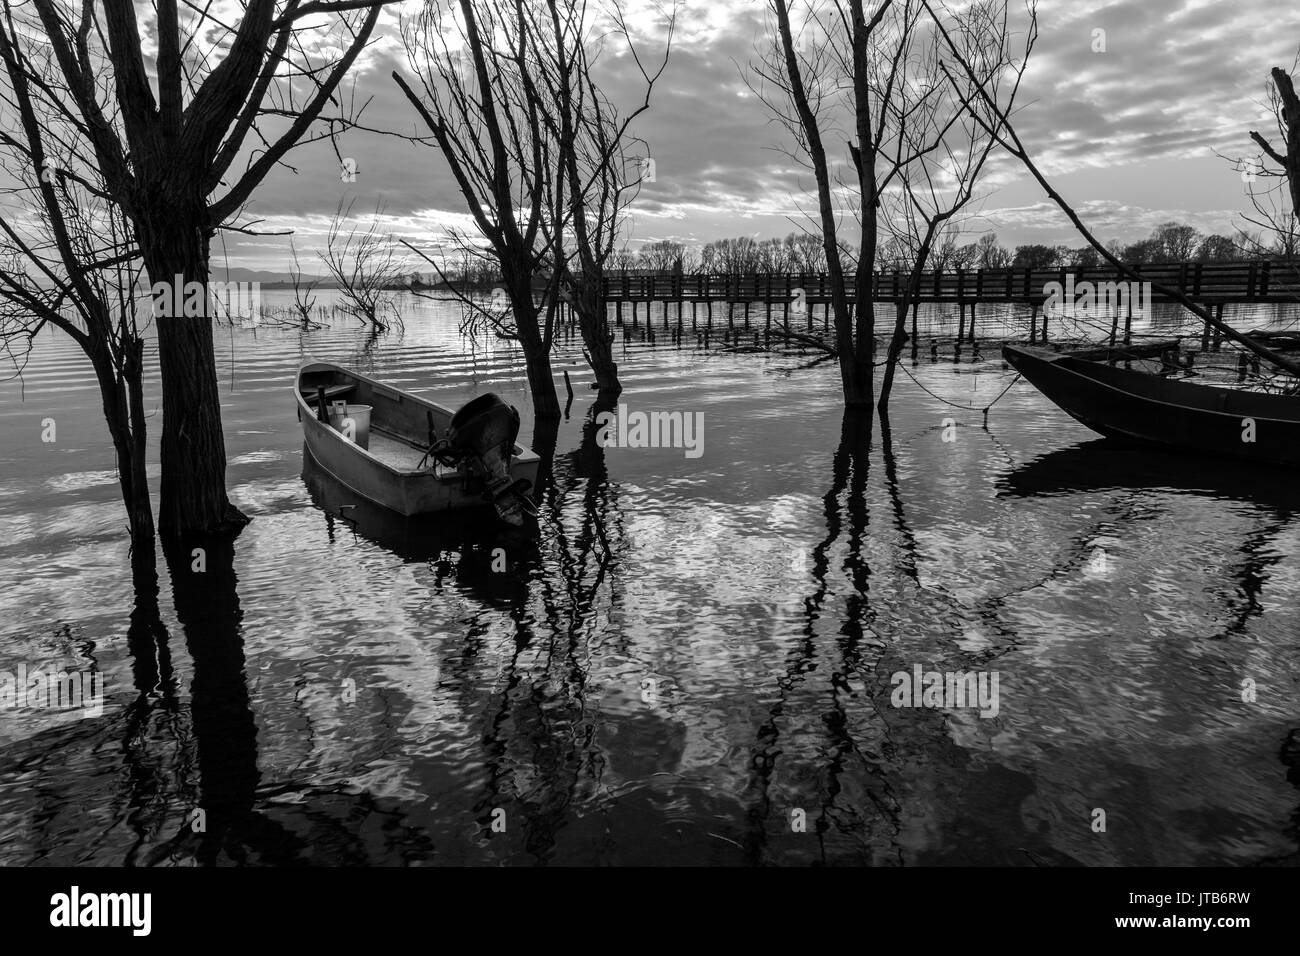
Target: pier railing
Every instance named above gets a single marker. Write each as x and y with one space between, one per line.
1259 280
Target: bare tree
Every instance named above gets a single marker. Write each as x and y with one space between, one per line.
690 259
814 79
1286 108
860 70
1273 227
662 256
623 259
805 252
71 262
593 144
739 255
163 147
304 301
473 60
933 117
990 254
550 188
365 265
773 256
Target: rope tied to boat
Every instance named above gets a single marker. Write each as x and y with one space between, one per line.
969 408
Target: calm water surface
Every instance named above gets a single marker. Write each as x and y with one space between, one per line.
685 660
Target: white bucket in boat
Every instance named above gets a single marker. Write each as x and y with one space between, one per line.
352 422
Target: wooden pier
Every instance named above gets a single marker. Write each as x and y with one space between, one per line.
798 296
1258 280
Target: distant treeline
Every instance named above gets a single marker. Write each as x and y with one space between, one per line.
801 252
804 252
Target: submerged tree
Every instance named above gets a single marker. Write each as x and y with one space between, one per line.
473 61
365 265
304 299
939 150
71 262
541 155
848 67
593 143
162 146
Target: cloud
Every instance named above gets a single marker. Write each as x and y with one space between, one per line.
1179 80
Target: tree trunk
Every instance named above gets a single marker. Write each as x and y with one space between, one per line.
546 434
193 489
122 399
599 343
144 562
533 326
597 337
857 379
1291 116
541 381
896 343
857 372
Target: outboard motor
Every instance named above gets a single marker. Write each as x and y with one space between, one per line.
484 431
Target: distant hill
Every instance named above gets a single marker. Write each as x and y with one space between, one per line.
277 280
265 278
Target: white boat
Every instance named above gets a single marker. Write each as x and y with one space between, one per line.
411 455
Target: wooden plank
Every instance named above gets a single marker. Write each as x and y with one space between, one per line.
333 391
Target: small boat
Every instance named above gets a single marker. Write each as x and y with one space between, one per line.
1135 406
411 455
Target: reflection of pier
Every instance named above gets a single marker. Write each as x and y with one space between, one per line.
806 297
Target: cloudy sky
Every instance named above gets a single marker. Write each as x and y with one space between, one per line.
1129 135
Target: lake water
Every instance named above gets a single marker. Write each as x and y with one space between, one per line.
690 661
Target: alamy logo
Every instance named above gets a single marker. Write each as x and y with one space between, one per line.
946 691
651 430
1093 300
52 690
74 909
181 299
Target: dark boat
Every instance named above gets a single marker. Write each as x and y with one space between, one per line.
1135 406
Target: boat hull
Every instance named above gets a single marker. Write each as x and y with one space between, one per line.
1134 406
387 473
